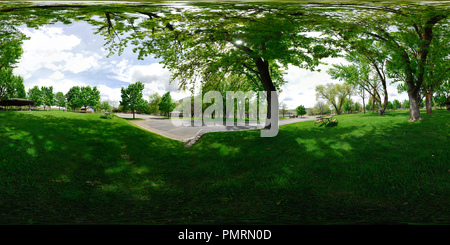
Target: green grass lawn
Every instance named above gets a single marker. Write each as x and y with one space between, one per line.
63 168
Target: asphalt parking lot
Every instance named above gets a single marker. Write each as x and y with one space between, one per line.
186 133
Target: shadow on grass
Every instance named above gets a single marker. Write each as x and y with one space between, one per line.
56 168
135 119
368 169
73 168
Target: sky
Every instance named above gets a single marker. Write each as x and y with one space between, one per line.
64 56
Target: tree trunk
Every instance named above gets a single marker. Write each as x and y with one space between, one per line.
383 108
364 105
266 80
373 104
414 113
428 97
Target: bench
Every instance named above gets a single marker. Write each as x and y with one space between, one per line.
333 123
326 121
319 121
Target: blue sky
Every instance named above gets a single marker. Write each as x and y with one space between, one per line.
63 56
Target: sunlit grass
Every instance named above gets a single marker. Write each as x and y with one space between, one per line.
64 167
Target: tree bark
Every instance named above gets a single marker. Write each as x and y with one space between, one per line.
428 97
364 105
383 108
266 80
414 113
413 88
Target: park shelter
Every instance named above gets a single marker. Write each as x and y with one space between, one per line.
17 102
87 109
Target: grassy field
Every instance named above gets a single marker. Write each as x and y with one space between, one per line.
67 168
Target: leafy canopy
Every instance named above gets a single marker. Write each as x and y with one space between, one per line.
166 105
132 97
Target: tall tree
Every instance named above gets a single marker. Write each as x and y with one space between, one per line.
35 94
89 96
396 104
334 94
348 105
48 98
444 90
406 104
105 106
357 106
300 110
283 107
153 102
11 40
166 105
60 100
437 69
321 108
367 73
11 86
406 32
73 97
132 97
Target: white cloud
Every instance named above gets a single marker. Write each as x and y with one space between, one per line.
56 75
154 76
79 62
48 40
50 48
119 70
109 94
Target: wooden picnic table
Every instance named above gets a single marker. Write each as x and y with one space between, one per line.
324 120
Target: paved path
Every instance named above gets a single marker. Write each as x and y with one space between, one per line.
165 127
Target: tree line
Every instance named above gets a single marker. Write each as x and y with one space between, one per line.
209 42
76 97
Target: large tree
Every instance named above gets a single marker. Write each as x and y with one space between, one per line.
153 102
437 68
213 41
366 72
132 97
60 99
300 110
48 98
406 32
11 40
89 96
35 94
73 97
166 105
443 90
11 86
335 94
